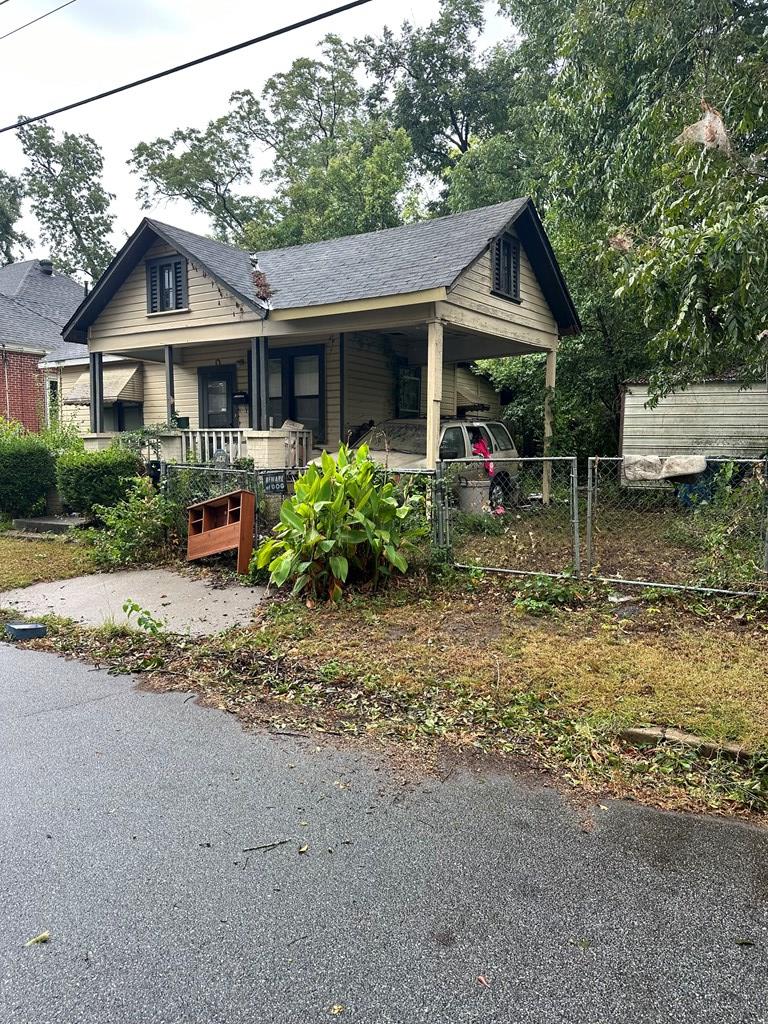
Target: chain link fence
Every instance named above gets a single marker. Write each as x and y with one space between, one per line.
512 515
705 532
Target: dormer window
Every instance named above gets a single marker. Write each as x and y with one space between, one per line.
506 267
166 284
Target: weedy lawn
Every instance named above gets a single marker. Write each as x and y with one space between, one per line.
23 562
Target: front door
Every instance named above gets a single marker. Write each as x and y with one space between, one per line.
296 388
217 386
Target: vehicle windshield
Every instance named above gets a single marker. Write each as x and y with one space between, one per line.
392 435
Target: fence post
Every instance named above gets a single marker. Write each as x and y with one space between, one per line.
765 514
575 517
591 472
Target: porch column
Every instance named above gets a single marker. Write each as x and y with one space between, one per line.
258 383
549 385
170 387
96 376
434 389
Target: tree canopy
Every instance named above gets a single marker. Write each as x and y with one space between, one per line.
639 129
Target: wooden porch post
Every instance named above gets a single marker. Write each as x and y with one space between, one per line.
434 389
170 386
96 375
549 384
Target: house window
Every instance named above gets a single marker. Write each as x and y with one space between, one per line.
52 402
296 388
506 267
408 390
166 284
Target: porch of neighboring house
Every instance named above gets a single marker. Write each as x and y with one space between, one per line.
281 400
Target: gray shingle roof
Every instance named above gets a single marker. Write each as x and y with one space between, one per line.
34 306
417 257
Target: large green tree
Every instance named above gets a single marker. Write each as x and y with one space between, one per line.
11 238
63 180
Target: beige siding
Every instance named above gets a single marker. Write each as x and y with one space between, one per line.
448 402
126 314
472 389
370 375
707 419
472 291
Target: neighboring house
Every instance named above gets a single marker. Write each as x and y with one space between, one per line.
230 345
35 304
715 418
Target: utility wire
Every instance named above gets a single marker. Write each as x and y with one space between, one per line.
35 20
3 2
189 64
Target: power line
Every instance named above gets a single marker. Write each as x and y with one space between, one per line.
3 2
189 64
35 20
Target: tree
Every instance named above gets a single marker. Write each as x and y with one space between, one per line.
204 168
63 182
11 196
443 92
361 188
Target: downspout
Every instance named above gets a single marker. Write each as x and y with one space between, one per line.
7 392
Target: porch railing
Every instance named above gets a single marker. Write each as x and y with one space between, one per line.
298 448
202 445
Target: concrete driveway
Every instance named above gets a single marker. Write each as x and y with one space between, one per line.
124 824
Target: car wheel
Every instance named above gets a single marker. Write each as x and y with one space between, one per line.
503 491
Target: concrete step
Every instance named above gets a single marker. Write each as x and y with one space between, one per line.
49 524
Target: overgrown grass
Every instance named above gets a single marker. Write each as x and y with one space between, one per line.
23 562
465 664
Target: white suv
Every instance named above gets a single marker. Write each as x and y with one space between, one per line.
402 444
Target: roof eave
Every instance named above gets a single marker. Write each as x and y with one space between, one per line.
107 285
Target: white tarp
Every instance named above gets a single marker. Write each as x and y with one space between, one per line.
654 467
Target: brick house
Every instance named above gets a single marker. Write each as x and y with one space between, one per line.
35 303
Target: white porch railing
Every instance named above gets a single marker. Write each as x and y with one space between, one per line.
202 445
298 448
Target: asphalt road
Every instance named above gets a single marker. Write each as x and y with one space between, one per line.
123 821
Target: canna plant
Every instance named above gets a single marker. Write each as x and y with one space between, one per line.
341 525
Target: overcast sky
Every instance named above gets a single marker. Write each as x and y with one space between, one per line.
95 44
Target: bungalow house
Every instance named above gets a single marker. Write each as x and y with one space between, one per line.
35 304
276 352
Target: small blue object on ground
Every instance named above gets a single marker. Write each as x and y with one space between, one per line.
25 630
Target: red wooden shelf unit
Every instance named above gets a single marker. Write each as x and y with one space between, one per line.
222 524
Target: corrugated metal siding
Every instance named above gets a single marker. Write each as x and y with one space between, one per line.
707 419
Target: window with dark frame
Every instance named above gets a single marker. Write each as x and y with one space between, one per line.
506 267
408 390
166 284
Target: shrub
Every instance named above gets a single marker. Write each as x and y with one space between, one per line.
340 526
135 529
87 479
26 470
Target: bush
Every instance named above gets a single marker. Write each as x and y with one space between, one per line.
340 526
135 530
87 479
26 471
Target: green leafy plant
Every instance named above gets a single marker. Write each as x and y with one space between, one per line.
90 479
135 530
540 595
145 620
341 526
26 470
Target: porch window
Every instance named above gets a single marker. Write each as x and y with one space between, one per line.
506 267
296 388
408 391
166 284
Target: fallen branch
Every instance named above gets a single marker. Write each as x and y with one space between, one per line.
266 846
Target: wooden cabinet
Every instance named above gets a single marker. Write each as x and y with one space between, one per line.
222 524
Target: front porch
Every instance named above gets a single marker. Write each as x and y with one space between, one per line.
280 400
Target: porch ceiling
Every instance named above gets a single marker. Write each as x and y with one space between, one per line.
459 346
